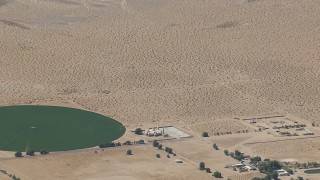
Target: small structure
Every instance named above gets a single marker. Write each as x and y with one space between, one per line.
282 172
178 161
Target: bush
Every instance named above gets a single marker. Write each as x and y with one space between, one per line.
226 152
18 154
127 143
174 154
168 150
44 152
215 146
300 178
141 141
168 156
105 145
208 170
129 152
155 143
205 134
158 155
217 174
202 166
30 153
159 146
138 131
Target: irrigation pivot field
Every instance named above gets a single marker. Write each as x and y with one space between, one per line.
54 128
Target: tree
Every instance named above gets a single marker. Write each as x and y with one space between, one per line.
30 153
269 166
300 178
138 131
168 150
202 166
127 143
159 146
231 154
129 152
158 155
255 159
141 141
18 154
44 152
208 170
217 174
215 146
226 152
155 143
205 134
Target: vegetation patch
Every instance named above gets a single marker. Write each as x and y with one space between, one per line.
50 128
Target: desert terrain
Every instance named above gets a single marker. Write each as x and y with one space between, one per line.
199 65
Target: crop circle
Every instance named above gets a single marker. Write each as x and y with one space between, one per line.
54 128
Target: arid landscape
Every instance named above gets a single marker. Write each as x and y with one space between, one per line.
213 66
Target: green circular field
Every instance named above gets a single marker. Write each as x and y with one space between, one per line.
54 128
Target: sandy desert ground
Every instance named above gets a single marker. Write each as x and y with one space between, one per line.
195 64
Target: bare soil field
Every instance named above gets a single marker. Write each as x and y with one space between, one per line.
194 64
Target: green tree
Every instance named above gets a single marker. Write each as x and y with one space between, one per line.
18 154
159 146
205 134
168 150
44 152
202 166
138 131
269 166
129 152
217 174
208 170
155 143
30 153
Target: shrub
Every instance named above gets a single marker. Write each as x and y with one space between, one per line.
18 154
168 156
127 143
30 153
205 134
158 155
202 166
208 170
141 141
168 150
226 152
174 154
138 131
155 143
129 152
105 145
159 146
217 174
215 146
44 152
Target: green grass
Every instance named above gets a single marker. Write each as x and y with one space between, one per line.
312 171
54 128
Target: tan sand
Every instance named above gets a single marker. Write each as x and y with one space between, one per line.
195 64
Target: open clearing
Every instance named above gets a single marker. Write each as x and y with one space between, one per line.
198 65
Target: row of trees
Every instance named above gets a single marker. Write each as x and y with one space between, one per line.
202 167
113 144
30 153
